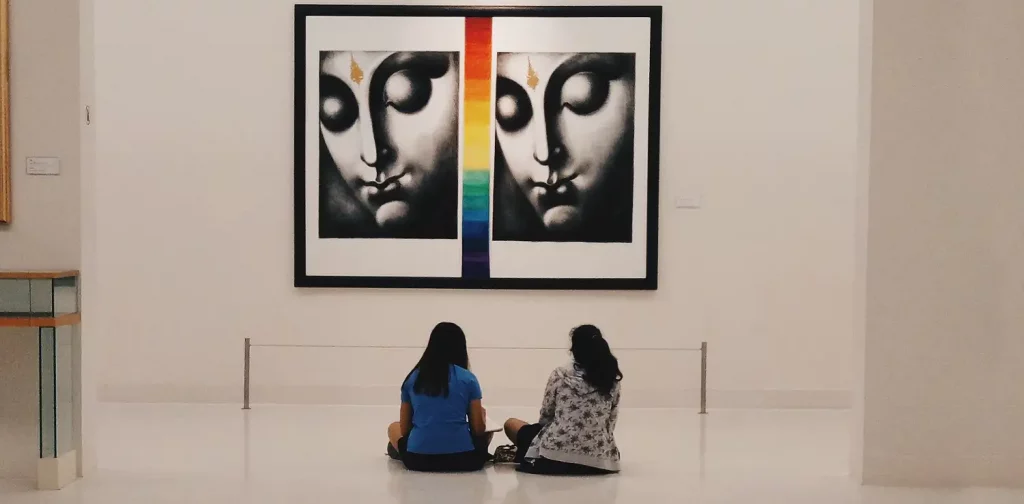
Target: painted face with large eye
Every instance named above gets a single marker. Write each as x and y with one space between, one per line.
562 121
390 123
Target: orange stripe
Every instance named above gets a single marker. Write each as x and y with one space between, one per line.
478 90
478 66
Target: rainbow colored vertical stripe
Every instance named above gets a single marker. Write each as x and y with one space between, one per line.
476 182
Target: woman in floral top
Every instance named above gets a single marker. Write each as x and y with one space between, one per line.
575 434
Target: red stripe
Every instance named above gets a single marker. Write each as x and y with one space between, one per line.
478 27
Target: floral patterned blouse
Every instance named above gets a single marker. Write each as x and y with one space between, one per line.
578 422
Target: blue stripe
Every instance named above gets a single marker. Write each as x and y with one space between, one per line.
475 215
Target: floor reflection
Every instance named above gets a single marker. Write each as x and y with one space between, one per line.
533 489
408 487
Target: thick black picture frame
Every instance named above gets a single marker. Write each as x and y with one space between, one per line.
650 282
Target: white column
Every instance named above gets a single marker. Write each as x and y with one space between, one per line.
860 234
944 339
90 333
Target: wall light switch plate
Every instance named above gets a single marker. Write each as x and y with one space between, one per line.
42 166
690 202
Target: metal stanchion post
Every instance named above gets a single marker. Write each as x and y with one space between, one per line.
704 378
245 378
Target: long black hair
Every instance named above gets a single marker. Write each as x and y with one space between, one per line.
592 356
447 347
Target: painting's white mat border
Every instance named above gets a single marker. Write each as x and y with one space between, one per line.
584 260
374 257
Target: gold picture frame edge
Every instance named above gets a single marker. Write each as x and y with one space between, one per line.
5 113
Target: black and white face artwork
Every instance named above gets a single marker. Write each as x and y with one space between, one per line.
441 146
564 152
389 144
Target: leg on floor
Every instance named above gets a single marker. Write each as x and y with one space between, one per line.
483 443
394 434
512 426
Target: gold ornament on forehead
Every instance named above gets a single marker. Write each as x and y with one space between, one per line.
531 75
357 73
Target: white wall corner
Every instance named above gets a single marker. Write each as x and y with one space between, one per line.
88 333
859 339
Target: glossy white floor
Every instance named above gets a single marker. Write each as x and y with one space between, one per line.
198 454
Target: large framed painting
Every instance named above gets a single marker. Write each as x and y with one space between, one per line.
477 147
5 115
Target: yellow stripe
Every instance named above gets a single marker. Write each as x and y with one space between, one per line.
477 110
478 157
478 123
477 137
477 134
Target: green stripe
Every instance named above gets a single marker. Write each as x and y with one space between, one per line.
476 190
476 177
476 202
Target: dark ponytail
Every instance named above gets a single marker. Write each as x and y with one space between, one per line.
594 358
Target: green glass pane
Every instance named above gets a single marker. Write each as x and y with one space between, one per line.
65 414
65 296
47 393
15 297
42 296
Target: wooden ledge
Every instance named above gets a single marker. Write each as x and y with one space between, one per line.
63 320
36 275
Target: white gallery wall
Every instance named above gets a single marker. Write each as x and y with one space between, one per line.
193 221
44 233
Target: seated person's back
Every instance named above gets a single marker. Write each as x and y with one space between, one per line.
580 421
442 423
576 430
439 423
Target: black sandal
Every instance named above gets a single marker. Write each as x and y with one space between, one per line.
393 453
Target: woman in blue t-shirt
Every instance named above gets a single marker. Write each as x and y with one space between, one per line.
443 426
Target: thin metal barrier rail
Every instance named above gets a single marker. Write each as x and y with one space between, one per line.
249 345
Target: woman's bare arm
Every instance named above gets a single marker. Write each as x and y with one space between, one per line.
405 419
477 418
